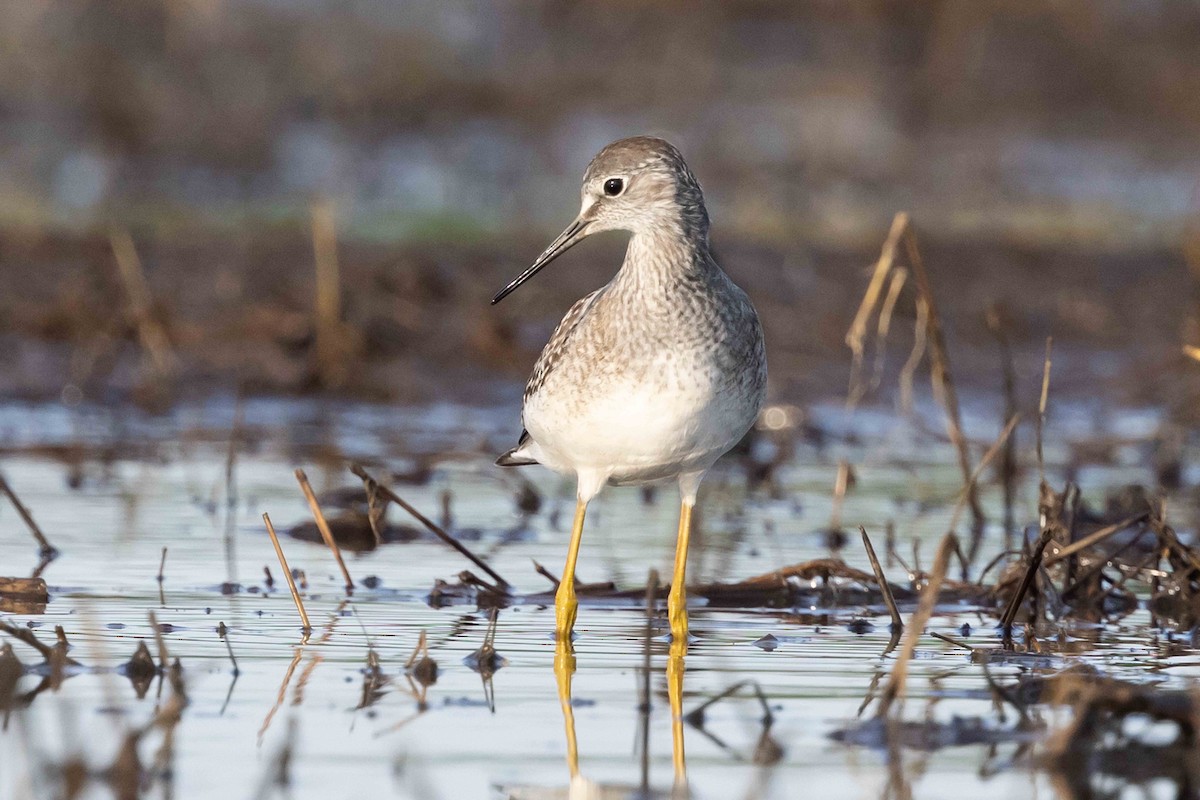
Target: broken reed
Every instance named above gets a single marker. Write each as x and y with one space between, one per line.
287 573
323 527
46 550
374 486
884 586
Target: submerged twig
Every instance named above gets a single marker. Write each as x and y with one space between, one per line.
856 335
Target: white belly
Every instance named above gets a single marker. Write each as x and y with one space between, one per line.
635 433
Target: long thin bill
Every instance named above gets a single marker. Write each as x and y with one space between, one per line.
565 241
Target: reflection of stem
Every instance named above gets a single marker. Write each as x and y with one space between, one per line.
287 678
564 669
317 658
675 670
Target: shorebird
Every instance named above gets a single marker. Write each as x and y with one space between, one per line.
655 375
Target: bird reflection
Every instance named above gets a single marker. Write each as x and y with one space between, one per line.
583 789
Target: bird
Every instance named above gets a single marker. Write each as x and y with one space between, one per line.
653 376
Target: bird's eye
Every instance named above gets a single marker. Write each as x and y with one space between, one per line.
613 186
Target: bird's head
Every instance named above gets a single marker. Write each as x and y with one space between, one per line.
640 185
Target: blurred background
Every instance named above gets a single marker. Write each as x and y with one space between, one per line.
288 196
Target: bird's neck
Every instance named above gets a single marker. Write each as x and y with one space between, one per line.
663 256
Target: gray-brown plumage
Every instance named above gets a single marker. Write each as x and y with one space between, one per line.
662 370
653 376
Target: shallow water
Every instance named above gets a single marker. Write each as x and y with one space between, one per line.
169 491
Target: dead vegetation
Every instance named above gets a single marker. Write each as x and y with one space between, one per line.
1083 562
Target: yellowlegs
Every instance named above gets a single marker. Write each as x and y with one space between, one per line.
655 375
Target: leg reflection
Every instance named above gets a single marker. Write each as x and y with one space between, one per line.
675 669
564 669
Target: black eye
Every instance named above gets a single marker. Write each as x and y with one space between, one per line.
613 186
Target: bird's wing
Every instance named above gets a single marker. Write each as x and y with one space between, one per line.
559 341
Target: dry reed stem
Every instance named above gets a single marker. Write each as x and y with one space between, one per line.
840 486
47 550
895 688
429 524
909 370
884 327
1035 563
940 375
856 335
235 436
331 366
881 579
1041 419
323 527
979 468
287 573
1093 539
151 334
377 510
1008 464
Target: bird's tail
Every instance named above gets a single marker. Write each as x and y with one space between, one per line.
514 459
519 456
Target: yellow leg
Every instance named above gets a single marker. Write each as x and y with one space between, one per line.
564 669
566 606
675 669
677 600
